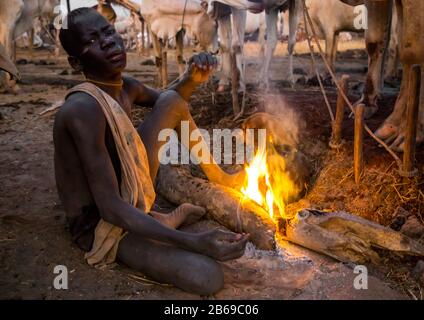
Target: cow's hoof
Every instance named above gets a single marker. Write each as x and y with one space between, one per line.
386 131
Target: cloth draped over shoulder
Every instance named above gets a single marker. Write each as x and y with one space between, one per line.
136 184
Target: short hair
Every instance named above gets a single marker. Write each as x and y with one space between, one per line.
68 33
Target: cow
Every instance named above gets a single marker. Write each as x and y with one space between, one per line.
104 7
329 19
17 17
168 20
6 64
232 30
410 15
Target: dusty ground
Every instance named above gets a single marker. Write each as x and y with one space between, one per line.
33 232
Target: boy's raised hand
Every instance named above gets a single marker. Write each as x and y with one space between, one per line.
201 66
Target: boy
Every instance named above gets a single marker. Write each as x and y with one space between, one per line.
89 172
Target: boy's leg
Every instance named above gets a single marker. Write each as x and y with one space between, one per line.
168 112
186 270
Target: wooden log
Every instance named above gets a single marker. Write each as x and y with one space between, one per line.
348 238
235 82
358 142
412 120
345 237
223 204
336 140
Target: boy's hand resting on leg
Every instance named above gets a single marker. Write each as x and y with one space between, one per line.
221 245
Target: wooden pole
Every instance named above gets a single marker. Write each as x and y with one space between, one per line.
358 142
412 119
336 140
164 64
143 33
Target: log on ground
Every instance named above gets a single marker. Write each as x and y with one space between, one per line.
223 204
348 238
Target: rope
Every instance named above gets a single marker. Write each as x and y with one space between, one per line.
314 65
367 129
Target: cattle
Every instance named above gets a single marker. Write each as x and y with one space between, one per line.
232 31
329 19
6 64
172 20
410 31
17 17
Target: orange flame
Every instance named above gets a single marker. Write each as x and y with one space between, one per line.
268 183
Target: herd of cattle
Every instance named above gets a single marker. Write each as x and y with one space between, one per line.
221 26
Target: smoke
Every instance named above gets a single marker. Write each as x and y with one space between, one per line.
284 124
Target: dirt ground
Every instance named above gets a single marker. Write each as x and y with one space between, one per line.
33 232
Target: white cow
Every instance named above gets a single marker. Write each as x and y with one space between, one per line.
329 19
410 14
126 27
168 20
17 17
232 22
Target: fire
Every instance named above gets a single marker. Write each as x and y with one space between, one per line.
268 183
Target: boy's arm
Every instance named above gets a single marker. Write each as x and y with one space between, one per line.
200 67
86 124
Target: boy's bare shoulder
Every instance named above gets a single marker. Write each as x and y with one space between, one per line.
82 108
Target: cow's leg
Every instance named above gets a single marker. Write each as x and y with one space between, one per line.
391 72
224 32
180 51
157 48
239 28
271 43
333 52
295 10
375 37
56 43
262 41
411 52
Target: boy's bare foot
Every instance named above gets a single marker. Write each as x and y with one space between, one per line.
185 214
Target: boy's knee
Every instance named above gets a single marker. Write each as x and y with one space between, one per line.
172 99
207 280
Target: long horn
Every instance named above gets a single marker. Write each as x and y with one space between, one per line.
133 7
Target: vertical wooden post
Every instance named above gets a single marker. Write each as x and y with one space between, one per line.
358 142
164 67
143 33
412 119
235 82
336 140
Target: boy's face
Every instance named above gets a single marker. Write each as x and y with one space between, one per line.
101 48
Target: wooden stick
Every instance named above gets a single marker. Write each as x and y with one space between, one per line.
223 204
143 33
336 140
412 119
235 82
165 64
358 142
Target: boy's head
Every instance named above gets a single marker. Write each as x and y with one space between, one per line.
92 43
